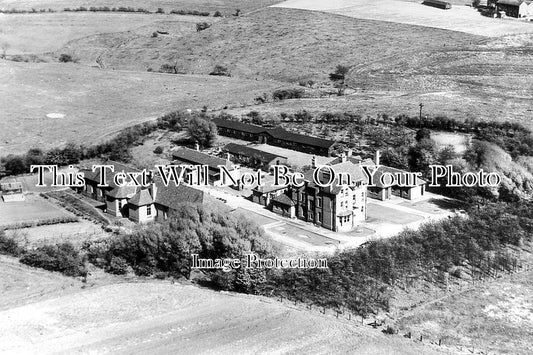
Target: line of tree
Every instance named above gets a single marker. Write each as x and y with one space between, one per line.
362 280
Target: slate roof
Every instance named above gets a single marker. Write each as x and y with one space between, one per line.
119 167
284 200
123 191
172 196
510 2
280 133
191 156
238 126
238 149
141 198
383 169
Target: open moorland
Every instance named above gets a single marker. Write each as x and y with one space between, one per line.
224 6
159 317
96 104
458 18
280 44
48 32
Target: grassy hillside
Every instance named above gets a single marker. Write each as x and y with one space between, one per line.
32 34
225 6
97 103
282 44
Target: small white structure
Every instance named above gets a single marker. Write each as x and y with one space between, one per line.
11 191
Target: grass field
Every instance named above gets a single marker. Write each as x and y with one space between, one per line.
225 6
495 317
32 209
98 103
159 317
75 233
281 44
39 33
458 18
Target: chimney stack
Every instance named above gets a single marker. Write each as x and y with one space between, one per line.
228 157
350 152
376 157
343 157
197 146
313 162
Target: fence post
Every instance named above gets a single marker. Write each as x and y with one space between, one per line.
421 338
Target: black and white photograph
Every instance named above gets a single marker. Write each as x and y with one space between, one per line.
266 177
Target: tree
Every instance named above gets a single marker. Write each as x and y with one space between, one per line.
203 131
423 133
338 78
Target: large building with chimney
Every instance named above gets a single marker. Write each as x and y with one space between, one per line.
342 205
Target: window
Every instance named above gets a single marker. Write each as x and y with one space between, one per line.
149 210
319 202
342 204
346 192
362 209
319 217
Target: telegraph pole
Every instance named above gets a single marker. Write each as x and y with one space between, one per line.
420 115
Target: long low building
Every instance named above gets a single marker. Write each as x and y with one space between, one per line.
253 158
275 136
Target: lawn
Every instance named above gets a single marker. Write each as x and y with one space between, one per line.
32 209
96 104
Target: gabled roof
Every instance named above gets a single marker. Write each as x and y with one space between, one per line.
191 156
118 167
387 169
123 191
141 198
238 149
238 126
284 200
282 134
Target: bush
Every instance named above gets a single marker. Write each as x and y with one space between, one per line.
62 257
117 266
155 34
217 14
220 71
200 26
285 94
8 245
65 58
202 131
158 150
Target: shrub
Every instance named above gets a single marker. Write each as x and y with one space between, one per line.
158 150
8 245
285 94
65 58
200 26
62 257
117 266
154 34
220 71
160 11
217 14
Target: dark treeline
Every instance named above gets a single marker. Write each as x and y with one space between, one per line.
112 9
361 280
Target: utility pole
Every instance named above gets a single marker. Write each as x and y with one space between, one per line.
420 115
